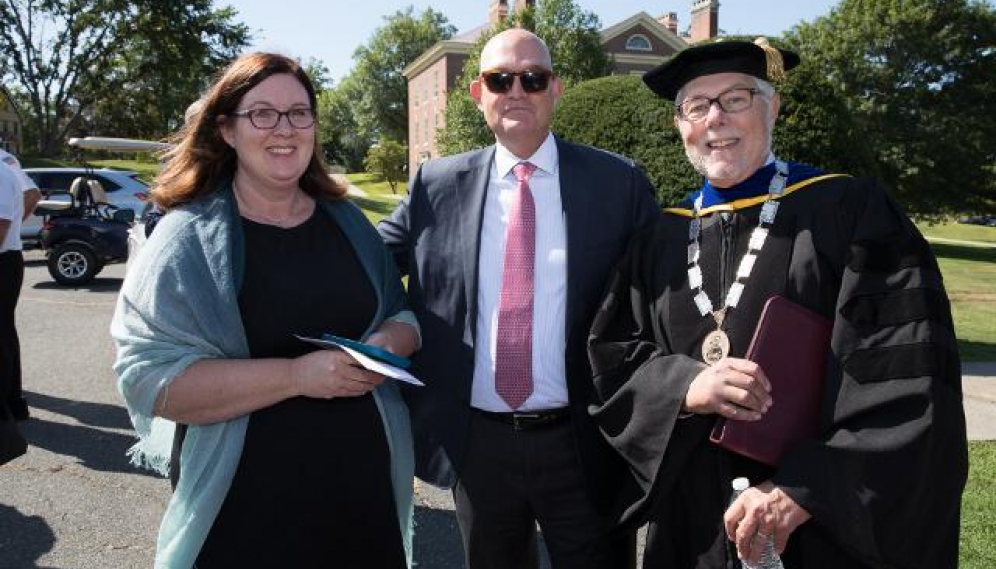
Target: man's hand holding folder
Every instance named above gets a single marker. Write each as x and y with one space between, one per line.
790 345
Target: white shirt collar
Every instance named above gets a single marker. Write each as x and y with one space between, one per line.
545 158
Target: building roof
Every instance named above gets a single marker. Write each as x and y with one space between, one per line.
434 53
653 25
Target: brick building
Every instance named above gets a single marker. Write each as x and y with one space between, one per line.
635 45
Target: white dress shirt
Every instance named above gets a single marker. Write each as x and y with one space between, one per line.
11 207
26 182
550 281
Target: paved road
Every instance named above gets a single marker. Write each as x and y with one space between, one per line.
979 385
73 502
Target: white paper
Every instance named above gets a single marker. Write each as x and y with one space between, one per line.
367 362
382 368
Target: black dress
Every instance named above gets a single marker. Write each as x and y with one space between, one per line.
313 485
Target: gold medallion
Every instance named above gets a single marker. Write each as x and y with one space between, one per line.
715 346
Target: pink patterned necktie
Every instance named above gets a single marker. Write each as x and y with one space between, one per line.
514 343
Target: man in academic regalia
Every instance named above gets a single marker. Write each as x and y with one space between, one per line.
880 484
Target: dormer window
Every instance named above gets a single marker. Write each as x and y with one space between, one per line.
638 42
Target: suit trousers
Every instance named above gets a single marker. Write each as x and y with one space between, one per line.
11 278
513 479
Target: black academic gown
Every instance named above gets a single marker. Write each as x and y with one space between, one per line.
883 479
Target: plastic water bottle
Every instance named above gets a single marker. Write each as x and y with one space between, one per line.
769 559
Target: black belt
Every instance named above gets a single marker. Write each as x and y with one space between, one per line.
528 420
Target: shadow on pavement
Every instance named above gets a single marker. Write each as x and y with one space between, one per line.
981 352
94 414
437 543
23 539
99 284
963 252
96 448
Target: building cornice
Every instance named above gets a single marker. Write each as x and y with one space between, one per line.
656 28
639 59
435 53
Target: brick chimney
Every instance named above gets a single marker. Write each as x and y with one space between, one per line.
670 21
497 12
705 20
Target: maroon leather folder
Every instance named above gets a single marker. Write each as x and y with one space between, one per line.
790 344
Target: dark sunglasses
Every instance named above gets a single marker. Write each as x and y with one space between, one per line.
500 82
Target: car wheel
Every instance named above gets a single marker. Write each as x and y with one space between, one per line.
73 264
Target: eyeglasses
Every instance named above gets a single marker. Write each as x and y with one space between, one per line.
730 101
500 82
267 118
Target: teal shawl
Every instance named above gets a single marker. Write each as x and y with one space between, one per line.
178 305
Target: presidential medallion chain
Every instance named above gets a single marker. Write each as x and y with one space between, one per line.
716 344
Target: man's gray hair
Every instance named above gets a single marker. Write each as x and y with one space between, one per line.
764 87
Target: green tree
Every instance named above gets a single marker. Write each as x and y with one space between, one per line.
64 57
465 128
571 34
918 77
388 159
620 114
345 131
175 50
379 64
318 72
814 124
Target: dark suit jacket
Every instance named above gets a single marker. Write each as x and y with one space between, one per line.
435 237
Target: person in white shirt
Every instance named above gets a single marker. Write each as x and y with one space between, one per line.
11 277
30 190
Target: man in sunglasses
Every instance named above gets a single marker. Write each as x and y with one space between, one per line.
879 480
507 250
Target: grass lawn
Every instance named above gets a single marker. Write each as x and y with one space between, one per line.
146 170
978 524
380 201
969 273
960 231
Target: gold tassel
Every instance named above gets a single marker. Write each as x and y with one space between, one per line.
773 59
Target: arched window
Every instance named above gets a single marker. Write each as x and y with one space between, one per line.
638 42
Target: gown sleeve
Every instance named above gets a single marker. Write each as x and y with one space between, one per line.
640 384
884 479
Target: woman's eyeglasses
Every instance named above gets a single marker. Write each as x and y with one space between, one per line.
500 82
267 118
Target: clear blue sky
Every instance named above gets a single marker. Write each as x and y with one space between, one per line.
331 31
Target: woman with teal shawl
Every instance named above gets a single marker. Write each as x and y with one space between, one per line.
293 456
